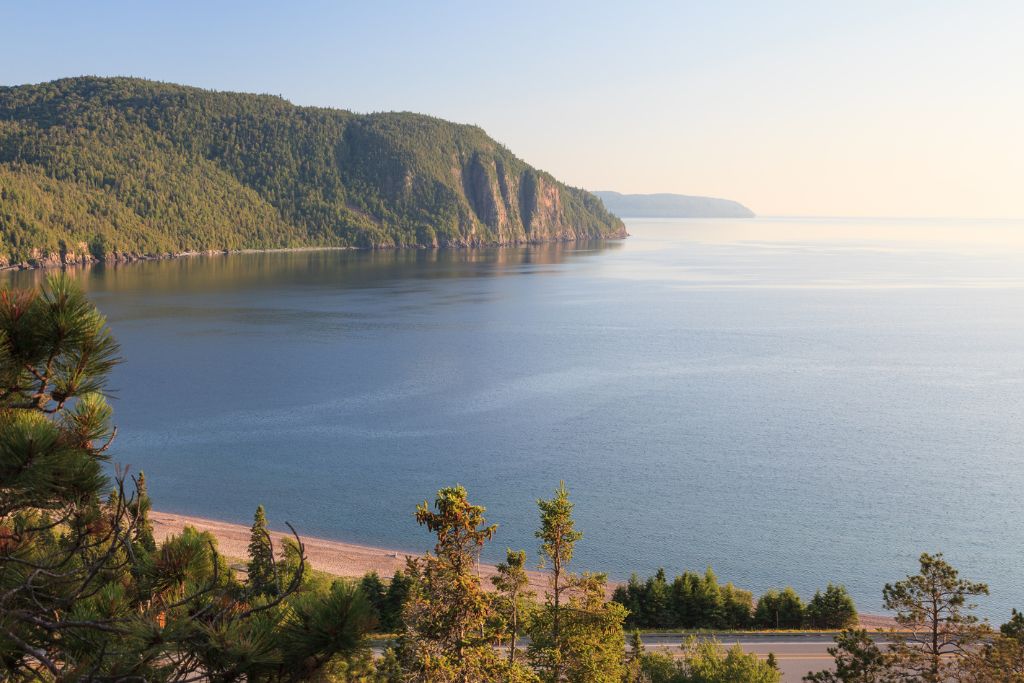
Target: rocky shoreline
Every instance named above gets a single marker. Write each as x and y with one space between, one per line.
69 259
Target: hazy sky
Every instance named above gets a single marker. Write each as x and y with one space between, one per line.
821 108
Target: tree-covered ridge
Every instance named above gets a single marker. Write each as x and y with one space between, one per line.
120 166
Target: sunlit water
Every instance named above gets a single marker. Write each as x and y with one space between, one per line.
791 401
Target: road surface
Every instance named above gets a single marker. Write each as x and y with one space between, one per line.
796 654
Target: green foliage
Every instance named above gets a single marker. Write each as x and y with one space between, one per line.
691 601
833 609
387 599
589 643
1000 660
938 628
777 609
575 635
558 537
708 661
85 592
262 571
514 598
119 166
317 626
143 527
857 660
446 613
1014 628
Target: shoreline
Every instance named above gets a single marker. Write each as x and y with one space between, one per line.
68 260
337 558
352 560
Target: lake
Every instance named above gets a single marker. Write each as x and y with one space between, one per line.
793 401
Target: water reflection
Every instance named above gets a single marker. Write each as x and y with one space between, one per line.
320 268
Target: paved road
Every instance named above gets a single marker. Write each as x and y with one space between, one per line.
796 654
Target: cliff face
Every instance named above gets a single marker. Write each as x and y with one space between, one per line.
511 208
130 167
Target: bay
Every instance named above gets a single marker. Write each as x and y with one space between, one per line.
793 401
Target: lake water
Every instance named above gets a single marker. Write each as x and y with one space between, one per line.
791 401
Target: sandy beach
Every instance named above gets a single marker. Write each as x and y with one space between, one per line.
332 557
352 560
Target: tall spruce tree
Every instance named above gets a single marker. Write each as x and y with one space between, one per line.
263 578
143 526
833 609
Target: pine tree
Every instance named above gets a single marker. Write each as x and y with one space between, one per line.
932 607
263 579
445 615
636 645
558 536
512 582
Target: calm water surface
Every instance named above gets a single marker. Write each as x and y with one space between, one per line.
791 401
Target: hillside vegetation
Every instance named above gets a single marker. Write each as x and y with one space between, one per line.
113 168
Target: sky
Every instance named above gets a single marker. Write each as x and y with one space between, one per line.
865 108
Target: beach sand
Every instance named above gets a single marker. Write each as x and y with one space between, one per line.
351 560
331 557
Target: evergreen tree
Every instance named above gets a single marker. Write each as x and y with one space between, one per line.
833 609
737 607
708 599
558 536
657 607
1014 628
394 601
512 584
633 670
1000 660
446 613
375 592
777 609
263 578
591 640
636 645
631 596
857 660
933 609
143 527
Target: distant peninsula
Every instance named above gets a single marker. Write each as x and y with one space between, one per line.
95 169
672 206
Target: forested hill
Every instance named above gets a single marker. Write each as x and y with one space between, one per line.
121 167
672 206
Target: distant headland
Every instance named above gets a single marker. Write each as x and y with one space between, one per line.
667 205
114 169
